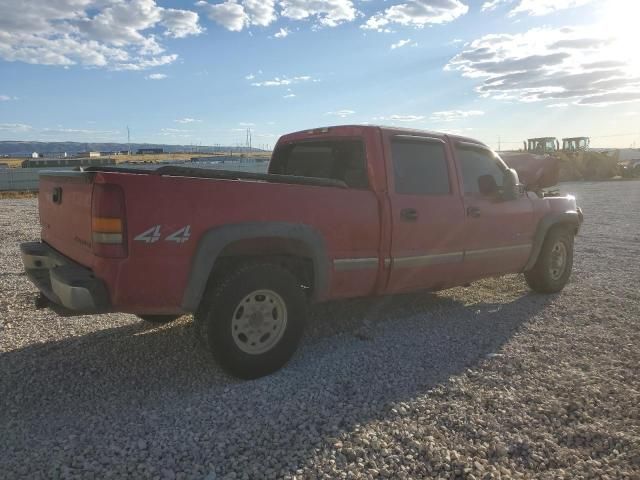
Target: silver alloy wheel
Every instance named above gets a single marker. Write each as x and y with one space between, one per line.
558 260
259 322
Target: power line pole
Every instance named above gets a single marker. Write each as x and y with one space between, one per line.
128 141
248 140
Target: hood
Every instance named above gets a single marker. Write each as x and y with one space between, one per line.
534 171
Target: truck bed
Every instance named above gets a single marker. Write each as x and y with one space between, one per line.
194 172
160 203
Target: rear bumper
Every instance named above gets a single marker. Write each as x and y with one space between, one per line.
63 281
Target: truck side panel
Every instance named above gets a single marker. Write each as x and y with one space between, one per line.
168 216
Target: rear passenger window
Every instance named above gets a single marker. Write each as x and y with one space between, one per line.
420 168
475 163
335 159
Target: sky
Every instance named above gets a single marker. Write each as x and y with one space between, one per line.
203 72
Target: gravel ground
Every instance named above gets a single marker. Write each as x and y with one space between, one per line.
489 381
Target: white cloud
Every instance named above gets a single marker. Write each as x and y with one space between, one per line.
175 133
260 12
417 13
329 13
235 16
76 131
558 105
156 76
400 118
247 124
534 7
341 113
283 81
403 43
406 118
187 120
584 65
15 127
251 76
174 130
146 63
289 95
455 115
493 4
230 15
180 23
7 98
544 7
96 33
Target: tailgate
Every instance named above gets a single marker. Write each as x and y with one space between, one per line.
64 203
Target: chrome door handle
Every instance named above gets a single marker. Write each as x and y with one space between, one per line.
473 212
409 214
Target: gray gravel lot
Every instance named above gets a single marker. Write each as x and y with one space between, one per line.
489 381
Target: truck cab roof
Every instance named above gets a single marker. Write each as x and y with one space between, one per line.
345 130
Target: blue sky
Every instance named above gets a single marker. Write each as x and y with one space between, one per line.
203 72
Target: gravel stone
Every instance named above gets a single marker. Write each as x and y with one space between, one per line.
486 382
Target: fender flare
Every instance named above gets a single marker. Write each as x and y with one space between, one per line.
570 218
214 241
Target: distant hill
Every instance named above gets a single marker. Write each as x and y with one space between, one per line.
19 149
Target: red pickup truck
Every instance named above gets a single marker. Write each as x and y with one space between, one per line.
347 211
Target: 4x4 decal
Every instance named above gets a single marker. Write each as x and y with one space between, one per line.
149 236
181 236
154 234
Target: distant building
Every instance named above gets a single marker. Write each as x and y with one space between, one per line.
149 151
88 154
35 155
67 162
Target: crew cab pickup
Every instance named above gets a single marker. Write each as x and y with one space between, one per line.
345 211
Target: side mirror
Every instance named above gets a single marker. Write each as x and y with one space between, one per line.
511 185
487 185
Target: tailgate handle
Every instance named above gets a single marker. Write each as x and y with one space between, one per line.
56 196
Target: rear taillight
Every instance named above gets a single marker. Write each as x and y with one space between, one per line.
108 221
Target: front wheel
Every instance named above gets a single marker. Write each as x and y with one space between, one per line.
553 268
253 320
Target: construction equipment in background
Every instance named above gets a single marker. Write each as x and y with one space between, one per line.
577 161
542 145
629 169
536 171
575 144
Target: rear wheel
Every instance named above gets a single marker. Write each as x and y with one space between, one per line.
553 268
158 318
252 320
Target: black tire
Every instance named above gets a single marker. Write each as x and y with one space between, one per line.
547 275
222 310
159 319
